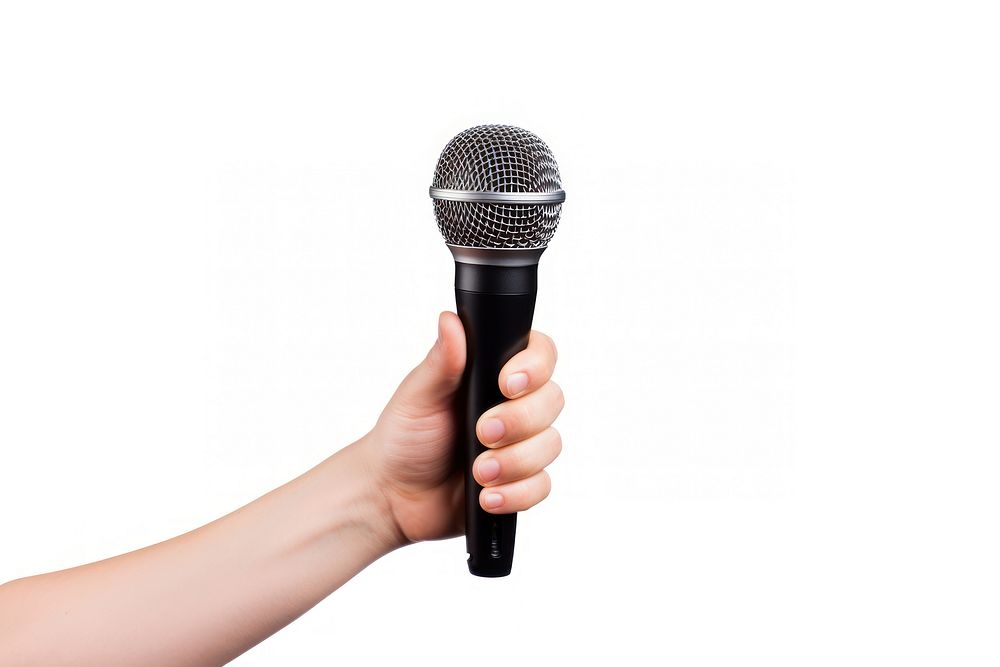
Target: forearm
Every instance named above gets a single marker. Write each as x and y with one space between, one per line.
206 596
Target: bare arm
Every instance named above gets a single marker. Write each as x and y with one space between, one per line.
206 596
203 598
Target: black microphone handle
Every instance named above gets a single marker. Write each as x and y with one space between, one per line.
496 305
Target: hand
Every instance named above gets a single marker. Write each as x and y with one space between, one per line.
204 597
413 449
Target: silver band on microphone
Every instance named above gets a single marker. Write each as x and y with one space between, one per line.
556 197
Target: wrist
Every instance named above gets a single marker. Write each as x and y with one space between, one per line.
369 500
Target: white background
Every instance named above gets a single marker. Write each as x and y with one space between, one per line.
774 289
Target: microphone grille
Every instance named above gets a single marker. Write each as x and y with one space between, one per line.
497 159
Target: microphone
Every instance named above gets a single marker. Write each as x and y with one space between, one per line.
497 199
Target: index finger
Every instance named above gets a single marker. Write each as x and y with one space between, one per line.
529 369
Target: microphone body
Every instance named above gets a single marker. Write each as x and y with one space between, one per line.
495 295
497 200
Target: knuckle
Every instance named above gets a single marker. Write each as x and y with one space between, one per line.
560 397
522 415
545 484
546 344
514 462
537 369
556 437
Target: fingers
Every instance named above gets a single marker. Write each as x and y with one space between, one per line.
519 433
524 459
520 418
516 496
529 369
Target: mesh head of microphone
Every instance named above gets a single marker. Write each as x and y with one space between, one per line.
497 158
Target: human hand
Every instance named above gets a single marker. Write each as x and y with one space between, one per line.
414 456
204 597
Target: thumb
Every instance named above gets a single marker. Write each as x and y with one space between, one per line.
439 374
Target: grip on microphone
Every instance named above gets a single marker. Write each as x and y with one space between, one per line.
496 305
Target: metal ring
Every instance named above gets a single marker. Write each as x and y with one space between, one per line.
556 197
496 256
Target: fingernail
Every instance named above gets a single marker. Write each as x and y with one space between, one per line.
489 469
492 430
517 383
493 500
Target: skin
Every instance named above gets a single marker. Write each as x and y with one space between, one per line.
207 596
